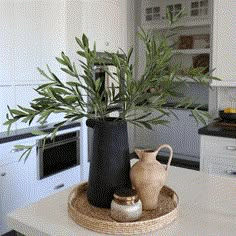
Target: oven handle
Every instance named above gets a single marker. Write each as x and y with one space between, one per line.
58 143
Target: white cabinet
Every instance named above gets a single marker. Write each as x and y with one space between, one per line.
193 39
24 94
181 133
104 21
14 191
14 179
197 12
6 42
224 47
32 35
218 155
55 183
7 97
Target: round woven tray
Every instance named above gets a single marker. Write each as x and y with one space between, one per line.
99 219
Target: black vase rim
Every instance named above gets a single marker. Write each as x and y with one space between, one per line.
107 119
91 122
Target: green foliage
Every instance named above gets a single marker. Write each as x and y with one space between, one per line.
82 97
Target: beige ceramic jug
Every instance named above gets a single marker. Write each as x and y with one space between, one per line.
148 176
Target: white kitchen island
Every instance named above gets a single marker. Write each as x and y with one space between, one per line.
207 208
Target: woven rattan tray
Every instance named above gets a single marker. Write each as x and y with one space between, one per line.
99 219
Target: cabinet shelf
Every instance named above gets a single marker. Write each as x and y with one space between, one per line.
162 25
192 51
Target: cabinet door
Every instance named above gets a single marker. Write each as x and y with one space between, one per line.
7 97
6 43
24 95
152 11
224 47
220 166
14 190
103 22
55 183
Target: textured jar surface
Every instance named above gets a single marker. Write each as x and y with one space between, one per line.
126 213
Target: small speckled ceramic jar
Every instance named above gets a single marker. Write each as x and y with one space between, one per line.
126 206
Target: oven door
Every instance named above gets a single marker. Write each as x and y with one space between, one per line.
59 154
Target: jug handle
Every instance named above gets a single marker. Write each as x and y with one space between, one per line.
170 156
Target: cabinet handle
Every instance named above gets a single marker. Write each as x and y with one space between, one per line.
231 148
3 174
59 186
107 43
230 172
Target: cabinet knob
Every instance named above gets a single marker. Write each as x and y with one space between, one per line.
231 148
3 174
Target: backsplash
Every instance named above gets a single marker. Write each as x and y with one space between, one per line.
226 97
197 92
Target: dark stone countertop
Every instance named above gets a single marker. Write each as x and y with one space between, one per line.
218 129
26 133
193 106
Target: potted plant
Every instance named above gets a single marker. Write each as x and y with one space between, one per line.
83 97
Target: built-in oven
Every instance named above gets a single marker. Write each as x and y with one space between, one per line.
58 154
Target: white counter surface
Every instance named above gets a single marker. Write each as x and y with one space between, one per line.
207 208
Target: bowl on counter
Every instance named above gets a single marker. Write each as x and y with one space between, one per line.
227 116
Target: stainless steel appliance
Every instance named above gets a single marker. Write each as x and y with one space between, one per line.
59 154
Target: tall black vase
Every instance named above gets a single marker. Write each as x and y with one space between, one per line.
110 164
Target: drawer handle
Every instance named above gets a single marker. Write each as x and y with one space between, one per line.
3 174
231 148
230 172
59 186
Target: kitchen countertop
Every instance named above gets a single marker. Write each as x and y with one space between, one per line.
193 106
216 129
26 133
207 207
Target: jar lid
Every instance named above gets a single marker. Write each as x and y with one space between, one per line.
126 196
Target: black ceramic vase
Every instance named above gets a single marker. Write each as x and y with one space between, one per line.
110 164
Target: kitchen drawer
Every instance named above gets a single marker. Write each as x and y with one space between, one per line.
221 167
218 146
9 154
55 183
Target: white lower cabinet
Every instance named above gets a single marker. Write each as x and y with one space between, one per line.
15 177
218 155
44 187
14 190
19 181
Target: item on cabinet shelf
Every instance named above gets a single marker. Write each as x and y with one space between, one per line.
126 206
148 176
201 60
185 42
99 219
227 116
201 41
110 165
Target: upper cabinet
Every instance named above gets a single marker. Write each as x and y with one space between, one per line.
32 35
192 41
104 21
197 12
224 44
